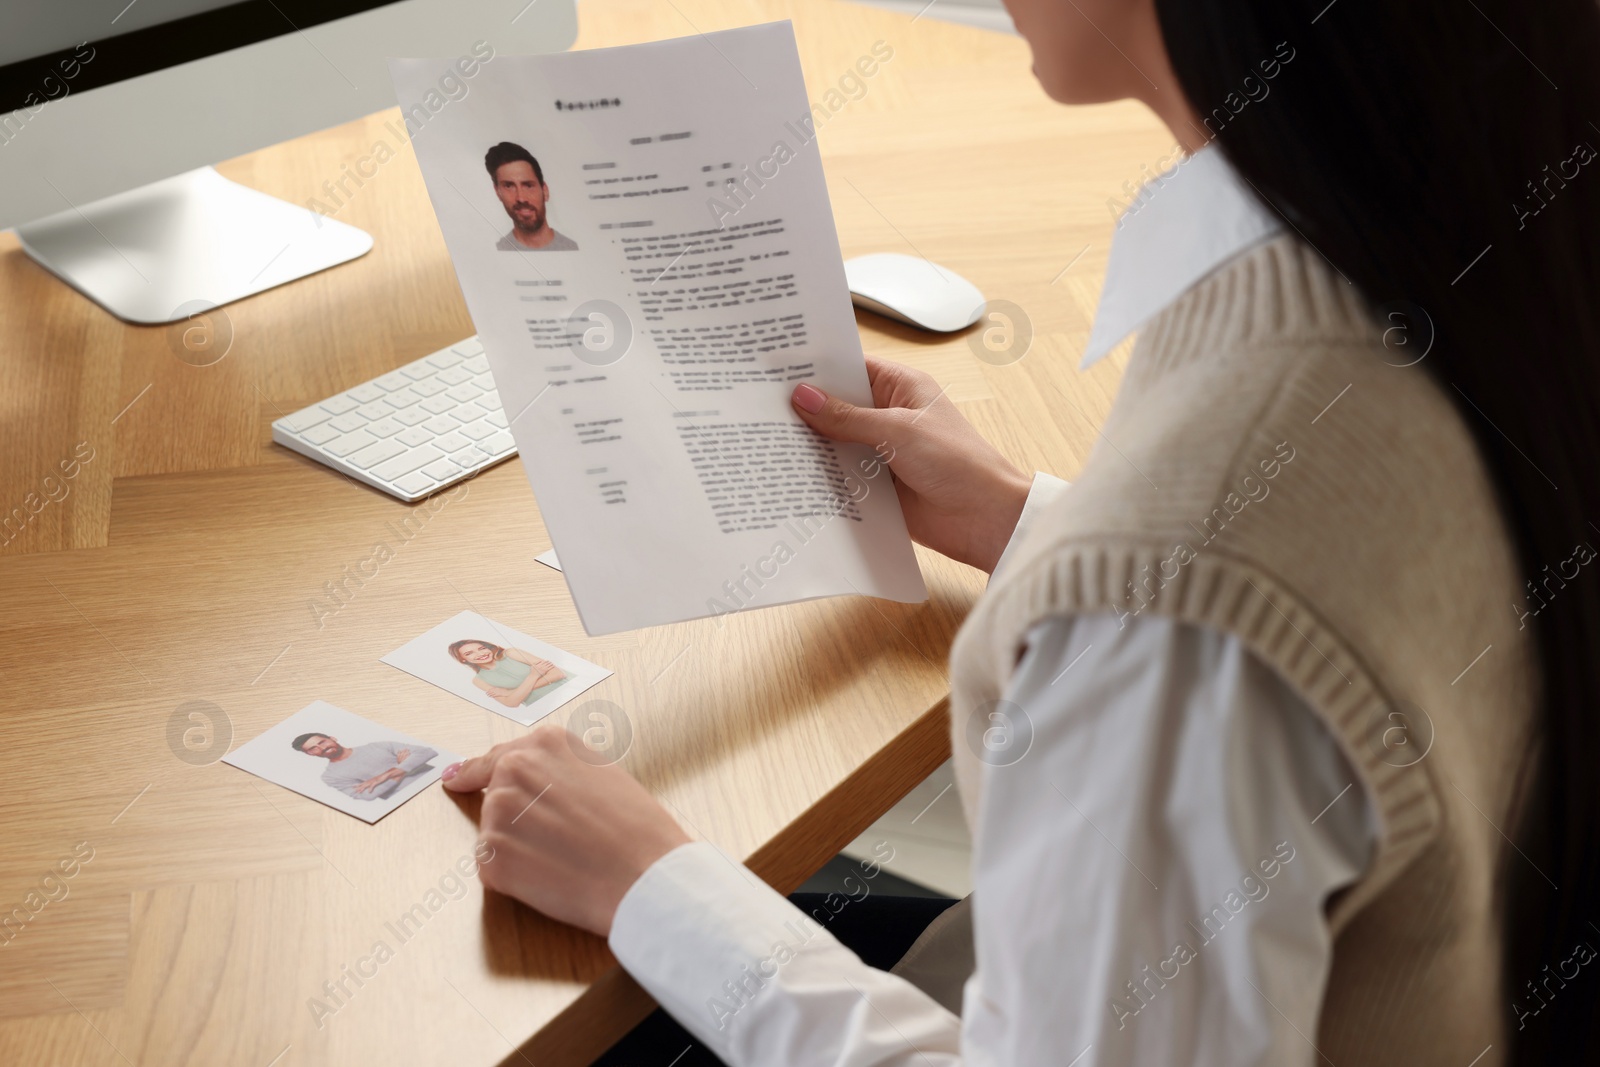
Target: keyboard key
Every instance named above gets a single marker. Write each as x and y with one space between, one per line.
374 410
429 387
477 364
479 430
471 458
350 442
347 422
440 424
412 415
376 453
462 393
444 468
470 347
302 421
340 404
413 437
496 419
453 442
405 463
418 370
392 381
384 428
414 483
365 393
468 412
402 398
484 381
318 435
455 376
444 359
499 444
437 405
489 401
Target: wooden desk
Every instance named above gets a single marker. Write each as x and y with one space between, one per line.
179 564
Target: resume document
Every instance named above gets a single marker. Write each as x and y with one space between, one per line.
644 240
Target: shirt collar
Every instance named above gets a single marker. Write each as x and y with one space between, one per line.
1184 224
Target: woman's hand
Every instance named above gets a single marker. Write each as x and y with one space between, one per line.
568 837
960 496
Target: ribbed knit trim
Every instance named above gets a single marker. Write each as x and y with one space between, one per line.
1275 294
1228 595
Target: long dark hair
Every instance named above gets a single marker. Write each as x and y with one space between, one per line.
1438 152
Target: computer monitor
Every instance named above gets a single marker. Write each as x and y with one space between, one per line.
111 112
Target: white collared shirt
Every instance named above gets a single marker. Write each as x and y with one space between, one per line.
1184 224
1149 880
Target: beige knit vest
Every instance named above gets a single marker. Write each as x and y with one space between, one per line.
1269 471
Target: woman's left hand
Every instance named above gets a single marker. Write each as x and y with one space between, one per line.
568 837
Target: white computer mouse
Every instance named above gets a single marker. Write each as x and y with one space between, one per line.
913 290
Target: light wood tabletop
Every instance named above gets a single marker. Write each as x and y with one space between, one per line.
162 599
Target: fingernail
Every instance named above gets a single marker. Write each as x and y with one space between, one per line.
809 398
450 771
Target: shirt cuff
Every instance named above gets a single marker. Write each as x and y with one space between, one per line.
759 983
696 931
1045 488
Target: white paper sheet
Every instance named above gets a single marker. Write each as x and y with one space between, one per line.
439 657
646 374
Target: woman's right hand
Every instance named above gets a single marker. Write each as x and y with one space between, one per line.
960 496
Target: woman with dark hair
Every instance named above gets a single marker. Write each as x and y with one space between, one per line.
1276 729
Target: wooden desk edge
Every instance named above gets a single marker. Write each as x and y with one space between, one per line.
784 863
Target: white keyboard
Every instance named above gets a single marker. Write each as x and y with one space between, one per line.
411 432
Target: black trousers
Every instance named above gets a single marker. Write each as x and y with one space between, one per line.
878 928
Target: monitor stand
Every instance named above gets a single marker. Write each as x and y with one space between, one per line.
157 253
